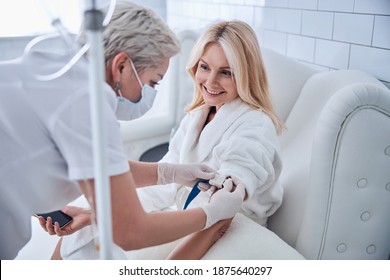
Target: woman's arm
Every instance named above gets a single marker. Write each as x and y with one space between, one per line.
195 245
133 228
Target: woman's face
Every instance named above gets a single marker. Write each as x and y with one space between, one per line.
130 86
214 77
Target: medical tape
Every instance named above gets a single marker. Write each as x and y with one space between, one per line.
217 181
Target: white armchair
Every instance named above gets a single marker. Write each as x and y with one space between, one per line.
336 156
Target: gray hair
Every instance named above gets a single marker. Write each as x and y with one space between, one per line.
141 33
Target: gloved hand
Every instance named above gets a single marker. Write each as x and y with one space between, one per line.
213 184
183 174
224 203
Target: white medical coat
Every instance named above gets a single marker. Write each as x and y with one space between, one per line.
46 142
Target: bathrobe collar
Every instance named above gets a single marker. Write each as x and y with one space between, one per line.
200 141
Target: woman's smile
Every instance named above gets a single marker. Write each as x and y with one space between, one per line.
213 92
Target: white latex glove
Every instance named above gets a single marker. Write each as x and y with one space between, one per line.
213 184
204 187
224 203
183 174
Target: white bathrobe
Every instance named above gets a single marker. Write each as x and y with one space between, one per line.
240 142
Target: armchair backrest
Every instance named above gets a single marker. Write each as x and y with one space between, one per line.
320 214
286 78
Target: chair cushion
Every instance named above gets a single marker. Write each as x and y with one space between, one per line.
286 78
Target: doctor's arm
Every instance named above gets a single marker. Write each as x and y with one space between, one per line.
133 228
162 173
147 174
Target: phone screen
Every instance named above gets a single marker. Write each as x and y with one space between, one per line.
57 216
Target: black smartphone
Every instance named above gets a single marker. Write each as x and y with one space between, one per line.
57 216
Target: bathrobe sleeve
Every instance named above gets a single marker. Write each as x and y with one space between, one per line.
250 152
156 198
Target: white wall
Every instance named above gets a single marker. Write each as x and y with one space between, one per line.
13 40
326 34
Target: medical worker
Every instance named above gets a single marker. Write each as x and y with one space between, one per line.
46 157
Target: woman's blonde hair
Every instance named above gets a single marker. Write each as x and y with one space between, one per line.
240 45
140 32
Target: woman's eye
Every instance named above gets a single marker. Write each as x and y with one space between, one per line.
204 67
226 73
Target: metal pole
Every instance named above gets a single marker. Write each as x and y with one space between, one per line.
94 27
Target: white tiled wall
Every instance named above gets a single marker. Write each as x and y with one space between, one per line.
326 34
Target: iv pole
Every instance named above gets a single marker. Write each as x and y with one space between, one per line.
94 28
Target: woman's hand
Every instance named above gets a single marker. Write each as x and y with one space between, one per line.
81 218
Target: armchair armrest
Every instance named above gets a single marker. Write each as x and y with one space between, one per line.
348 200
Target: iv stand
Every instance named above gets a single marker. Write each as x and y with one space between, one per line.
94 28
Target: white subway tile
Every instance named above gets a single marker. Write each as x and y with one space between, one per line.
288 20
381 36
265 18
336 5
303 4
300 47
227 12
197 10
372 60
234 2
260 3
332 54
260 37
276 41
353 28
317 24
381 7
210 11
277 3
245 13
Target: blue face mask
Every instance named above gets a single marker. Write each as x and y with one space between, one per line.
127 110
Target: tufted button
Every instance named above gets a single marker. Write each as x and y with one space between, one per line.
341 248
371 249
388 186
387 151
362 182
365 216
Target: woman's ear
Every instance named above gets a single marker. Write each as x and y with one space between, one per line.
118 63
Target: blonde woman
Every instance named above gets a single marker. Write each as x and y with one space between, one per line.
231 126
